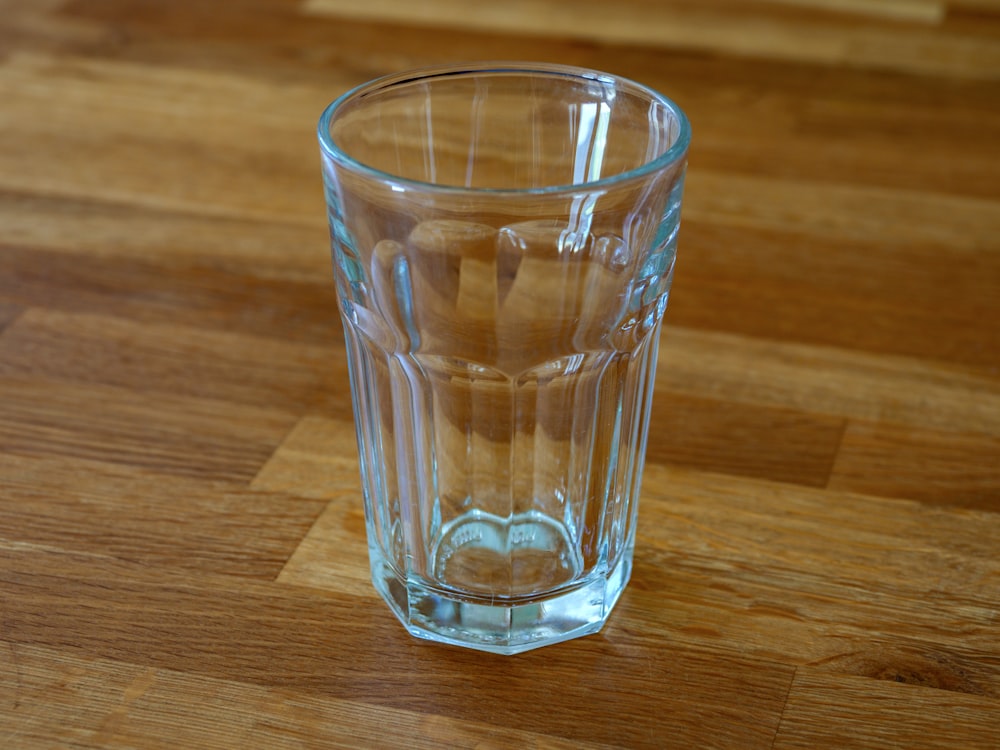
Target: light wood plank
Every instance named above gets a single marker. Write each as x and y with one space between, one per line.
688 26
906 544
209 122
814 575
927 11
319 460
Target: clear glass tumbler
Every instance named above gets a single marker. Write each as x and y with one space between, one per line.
503 241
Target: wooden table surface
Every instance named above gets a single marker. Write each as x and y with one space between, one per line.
182 552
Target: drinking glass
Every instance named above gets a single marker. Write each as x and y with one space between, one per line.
503 240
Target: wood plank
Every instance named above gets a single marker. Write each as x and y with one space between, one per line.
945 468
776 571
155 358
687 26
824 127
826 380
852 712
149 518
928 11
38 25
268 40
913 663
163 432
827 122
200 118
981 5
8 313
84 235
783 445
777 444
83 692
352 724
111 704
176 288
319 459
183 552
916 549
813 575
739 279
277 636
838 212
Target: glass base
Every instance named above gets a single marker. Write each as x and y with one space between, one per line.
501 626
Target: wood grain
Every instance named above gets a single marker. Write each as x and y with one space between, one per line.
133 514
152 357
929 465
140 618
721 26
821 708
163 432
183 557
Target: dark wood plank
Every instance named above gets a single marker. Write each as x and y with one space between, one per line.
171 292
103 703
784 445
943 468
176 435
826 380
149 518
178 360
800 286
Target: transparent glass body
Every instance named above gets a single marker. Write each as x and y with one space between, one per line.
503 240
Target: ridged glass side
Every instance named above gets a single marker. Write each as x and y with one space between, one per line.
506 484
514 516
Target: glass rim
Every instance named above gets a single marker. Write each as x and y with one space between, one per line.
669 157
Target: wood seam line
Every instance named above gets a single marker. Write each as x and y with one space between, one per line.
277 448
784 706
845 423
4 327
271 457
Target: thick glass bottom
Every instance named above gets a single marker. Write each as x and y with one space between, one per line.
501 625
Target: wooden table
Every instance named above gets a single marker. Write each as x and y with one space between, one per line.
182 553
